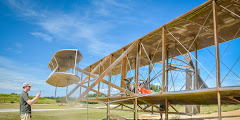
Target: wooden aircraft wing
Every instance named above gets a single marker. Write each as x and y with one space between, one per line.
230 95
184 28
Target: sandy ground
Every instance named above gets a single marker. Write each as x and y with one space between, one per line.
231 115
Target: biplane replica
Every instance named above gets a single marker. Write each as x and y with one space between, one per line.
209 24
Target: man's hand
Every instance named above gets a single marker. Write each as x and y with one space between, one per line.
38 95
30 102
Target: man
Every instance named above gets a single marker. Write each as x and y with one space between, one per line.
25 102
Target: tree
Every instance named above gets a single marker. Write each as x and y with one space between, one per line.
155 88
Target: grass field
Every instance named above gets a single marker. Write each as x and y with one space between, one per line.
93 114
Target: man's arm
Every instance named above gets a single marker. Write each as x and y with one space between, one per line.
30 102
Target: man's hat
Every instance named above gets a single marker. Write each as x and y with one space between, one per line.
26 84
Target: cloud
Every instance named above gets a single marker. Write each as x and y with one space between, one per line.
14 74
80 27
43 36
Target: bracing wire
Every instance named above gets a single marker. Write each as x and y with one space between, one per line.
200 30
150 62
189 53
230 70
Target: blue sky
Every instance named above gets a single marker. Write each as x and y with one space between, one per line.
33 30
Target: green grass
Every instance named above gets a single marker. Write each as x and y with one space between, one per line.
14 98
93 114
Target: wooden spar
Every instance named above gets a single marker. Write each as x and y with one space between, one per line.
94 70
109 69
109 88
100 93
123 71
216 42
173 107
146 107
150 104
100 72
127 106
163 58
106 82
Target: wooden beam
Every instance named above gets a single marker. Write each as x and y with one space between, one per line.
232 98
117 87
117 106
127 106
106 82
100 93
123 70
109 68
94 70
116 117
150 104
146 107
173 107
100 72
163 58
216 42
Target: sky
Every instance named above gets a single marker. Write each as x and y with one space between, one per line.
33 30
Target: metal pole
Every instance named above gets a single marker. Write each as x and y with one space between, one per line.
217 57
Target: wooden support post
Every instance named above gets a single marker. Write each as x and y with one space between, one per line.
136 78
109 88
137 67
196 108
100 72
135 109
123 71
167 71
109 68
80 86
163 58
149 72
166 111
196 67
217 57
